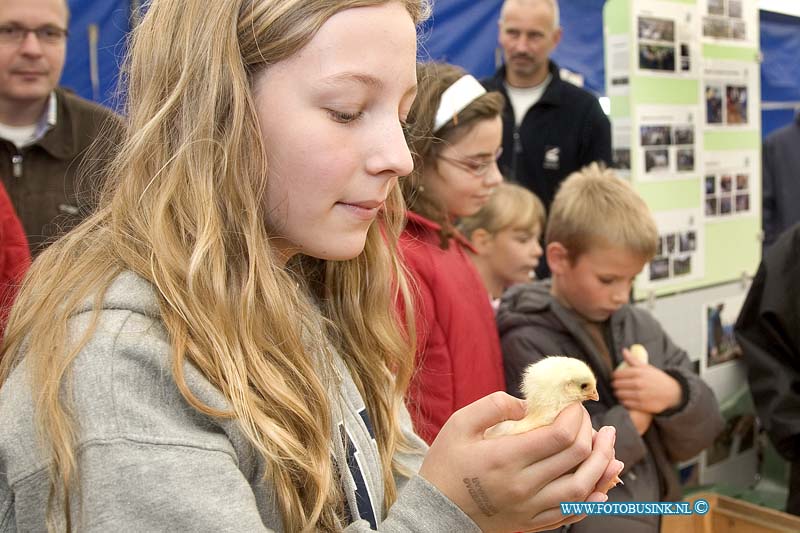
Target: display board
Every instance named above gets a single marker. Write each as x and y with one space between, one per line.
683 79
701 322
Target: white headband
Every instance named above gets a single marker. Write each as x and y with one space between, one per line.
455 98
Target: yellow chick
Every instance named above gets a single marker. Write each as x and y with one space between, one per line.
638 352
549 386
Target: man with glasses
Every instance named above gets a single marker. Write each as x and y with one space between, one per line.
551 128
45 130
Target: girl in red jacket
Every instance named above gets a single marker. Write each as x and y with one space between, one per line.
455 136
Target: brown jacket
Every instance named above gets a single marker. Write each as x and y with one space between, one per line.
533 324
50 182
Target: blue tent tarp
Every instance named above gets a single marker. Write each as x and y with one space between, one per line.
111 18
463 32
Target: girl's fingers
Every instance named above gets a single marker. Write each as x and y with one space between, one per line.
484 413
576 487
610 477
553 519
572 426
566 459
561 519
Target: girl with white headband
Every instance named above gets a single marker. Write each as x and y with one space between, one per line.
455 136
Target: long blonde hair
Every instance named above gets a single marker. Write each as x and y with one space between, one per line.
183 207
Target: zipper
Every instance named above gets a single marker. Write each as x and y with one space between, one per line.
516 155
16 165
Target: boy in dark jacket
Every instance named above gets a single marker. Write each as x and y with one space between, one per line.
599 237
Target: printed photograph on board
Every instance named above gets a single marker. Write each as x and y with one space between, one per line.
685 159
713 104
736 104
738 437
716 7
656 29
721 342
655 135
657 57
656 160
684 134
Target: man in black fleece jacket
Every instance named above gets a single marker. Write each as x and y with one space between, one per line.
551 128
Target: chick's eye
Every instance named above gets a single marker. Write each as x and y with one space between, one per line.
584 386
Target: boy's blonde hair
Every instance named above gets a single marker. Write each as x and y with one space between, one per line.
511 206
593 206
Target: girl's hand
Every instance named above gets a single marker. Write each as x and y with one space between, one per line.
516 482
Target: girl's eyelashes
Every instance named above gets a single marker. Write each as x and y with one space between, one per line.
344 117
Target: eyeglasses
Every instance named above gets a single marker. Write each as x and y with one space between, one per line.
474 166
15 34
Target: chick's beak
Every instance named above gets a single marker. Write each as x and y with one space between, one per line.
592 394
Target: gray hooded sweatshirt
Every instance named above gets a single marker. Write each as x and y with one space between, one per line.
148 461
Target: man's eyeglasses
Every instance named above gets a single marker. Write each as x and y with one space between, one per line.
474 166
15 34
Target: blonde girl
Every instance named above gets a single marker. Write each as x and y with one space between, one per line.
505 236
215 349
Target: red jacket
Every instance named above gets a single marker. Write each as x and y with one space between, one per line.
458 350
15 256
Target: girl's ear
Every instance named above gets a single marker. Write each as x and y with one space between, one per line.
557 257
482 241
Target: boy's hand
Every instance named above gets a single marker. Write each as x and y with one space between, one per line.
643 387
641 421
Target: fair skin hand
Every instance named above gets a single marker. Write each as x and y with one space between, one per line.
643 387
641 421
520 479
